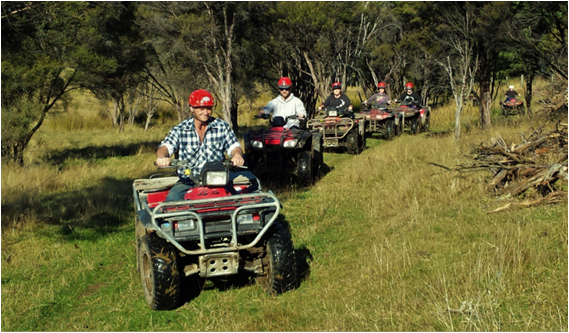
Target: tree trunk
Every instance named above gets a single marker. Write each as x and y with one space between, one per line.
19 152
484 98
148 117
234 110
529 90
457 124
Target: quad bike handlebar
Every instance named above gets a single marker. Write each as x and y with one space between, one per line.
181 164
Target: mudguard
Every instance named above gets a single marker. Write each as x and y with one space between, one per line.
304 138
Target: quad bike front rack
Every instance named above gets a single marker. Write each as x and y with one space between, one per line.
186 209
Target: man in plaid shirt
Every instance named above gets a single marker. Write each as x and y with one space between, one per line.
198 140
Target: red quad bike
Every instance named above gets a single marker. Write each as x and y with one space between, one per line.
415 118
340 128
388 123
278 151
511 107
225 225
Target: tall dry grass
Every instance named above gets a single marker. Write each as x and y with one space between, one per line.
385 242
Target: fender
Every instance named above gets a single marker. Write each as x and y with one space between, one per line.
422 116
396 118
362 127
305 136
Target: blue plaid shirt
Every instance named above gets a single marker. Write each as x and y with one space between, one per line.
184 139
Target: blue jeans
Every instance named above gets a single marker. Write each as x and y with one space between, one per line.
179 190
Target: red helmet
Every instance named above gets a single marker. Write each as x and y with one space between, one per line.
201 97
336 85
409 85
381 85
284 82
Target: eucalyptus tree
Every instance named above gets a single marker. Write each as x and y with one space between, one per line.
539 32
317 43
170 67
198 44
113 36
42 58
456 36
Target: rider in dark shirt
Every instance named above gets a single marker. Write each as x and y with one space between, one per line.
510 94
337 99
410 98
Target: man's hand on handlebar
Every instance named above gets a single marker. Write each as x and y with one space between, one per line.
162 162
237 160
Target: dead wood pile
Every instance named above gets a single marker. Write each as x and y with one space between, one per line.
535 168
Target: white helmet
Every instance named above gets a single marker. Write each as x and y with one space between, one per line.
511 87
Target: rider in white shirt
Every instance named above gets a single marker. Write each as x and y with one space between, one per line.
285 105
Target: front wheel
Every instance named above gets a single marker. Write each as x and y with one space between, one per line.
398 128
390 129
159 273
279 264
353 142
304 168
415 125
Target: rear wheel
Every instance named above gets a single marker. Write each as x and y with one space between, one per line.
159 273
318 158
353 142
279 264
304 168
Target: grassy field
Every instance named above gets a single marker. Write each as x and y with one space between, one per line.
386 242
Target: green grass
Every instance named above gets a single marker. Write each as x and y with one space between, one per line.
388 243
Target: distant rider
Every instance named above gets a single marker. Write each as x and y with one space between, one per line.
285 105
198 140
409 97
379 99
511 94
337 99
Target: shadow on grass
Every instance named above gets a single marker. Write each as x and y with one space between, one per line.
86 214
194 285
286 183
100 152
303 259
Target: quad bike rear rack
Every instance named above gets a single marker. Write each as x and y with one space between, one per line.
185 208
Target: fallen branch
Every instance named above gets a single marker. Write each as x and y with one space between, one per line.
553 197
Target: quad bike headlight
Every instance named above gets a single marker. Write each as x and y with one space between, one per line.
290 143
248 218
216 178
185 225
245 219
214 174
333 113
257 144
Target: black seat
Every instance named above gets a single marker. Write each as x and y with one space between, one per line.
278 122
